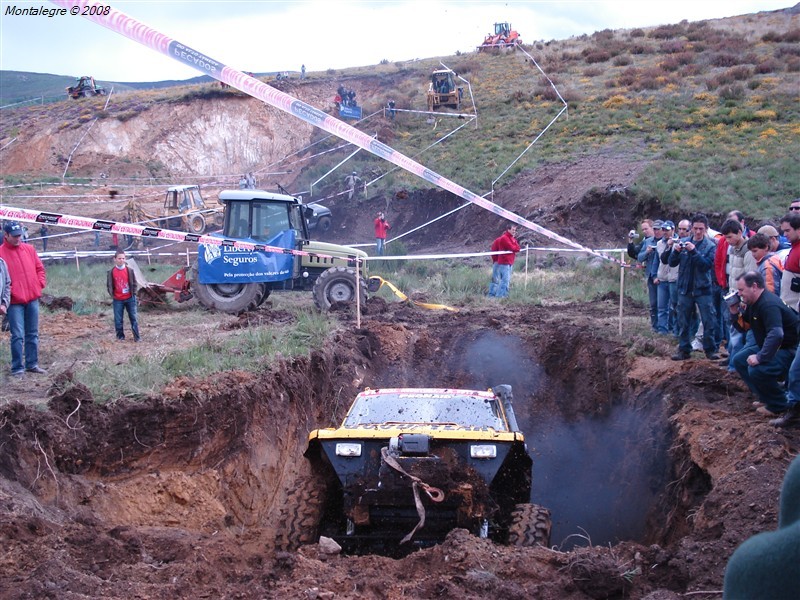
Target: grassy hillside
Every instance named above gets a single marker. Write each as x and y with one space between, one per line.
712 106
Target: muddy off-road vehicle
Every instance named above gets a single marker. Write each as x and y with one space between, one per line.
409 465
234 280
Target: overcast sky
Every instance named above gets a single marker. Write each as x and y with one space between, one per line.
263 36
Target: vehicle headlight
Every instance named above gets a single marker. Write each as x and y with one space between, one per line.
483 451
348 449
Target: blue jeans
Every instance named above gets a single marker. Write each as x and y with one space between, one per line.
663 308
793 396
673 307
708 315
763 379
735 343
723 317
119 307
379 244
652 292
23 320
501 279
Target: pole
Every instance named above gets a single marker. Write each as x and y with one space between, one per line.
358 297
77 262
621 288
527 254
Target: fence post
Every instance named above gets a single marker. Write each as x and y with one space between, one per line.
358 296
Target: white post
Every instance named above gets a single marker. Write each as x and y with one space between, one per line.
527 254
358 297
77 262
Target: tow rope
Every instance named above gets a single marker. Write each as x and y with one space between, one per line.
404 298
434 493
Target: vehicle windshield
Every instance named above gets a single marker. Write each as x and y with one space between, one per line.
424 407
196 198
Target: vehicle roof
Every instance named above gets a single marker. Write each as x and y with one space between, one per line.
181 188
427 393
254 195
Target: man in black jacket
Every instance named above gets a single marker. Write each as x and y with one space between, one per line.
774 325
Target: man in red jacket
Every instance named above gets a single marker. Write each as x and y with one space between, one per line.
502 263
381 227
28 279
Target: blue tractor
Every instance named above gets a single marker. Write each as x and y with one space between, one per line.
235 280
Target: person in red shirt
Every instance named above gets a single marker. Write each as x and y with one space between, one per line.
28 279
502 263
381 227
122 287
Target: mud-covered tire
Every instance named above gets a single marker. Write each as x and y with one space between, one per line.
530 525
338 284
324 224
299 519
197 224
233 298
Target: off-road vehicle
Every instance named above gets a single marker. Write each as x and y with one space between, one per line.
408 465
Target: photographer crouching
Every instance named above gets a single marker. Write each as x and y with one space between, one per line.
764 363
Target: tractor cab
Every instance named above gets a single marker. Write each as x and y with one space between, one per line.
183 198
503 29
443 90
262 219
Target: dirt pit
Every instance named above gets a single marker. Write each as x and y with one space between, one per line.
654 471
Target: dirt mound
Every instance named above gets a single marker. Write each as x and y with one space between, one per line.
176 495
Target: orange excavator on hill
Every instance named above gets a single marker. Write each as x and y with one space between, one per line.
503 37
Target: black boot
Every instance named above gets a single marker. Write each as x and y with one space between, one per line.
790 417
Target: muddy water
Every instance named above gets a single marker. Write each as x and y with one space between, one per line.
600 474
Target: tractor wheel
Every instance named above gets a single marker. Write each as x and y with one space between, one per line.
299 518
219 219
530 525
337 284
232 298
324 224
197 224
264 295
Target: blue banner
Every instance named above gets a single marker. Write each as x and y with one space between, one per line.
226 264
350 112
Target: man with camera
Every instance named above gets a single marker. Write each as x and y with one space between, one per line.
633 246
764 363
695 257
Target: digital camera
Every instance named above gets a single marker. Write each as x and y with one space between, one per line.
632 235
732 298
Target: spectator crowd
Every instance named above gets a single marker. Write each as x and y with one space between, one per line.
732 294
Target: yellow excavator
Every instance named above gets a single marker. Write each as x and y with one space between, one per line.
443 90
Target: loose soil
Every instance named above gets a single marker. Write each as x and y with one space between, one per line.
175 495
